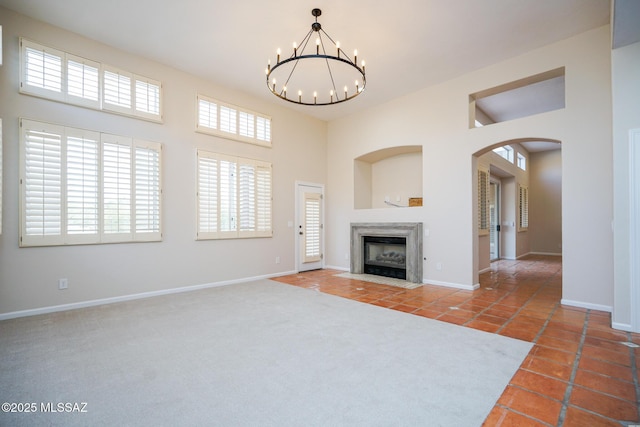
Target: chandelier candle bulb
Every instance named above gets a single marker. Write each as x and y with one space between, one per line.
315 77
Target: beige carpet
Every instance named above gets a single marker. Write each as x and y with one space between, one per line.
252 354
380 280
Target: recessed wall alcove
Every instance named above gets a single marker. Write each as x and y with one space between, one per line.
388 178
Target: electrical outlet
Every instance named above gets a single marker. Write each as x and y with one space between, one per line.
63 284
346 256
439 266
277 260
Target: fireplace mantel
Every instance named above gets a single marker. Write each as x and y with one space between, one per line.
411 231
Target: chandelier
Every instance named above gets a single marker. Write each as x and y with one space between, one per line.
319 73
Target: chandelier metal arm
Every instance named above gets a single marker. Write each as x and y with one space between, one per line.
340 56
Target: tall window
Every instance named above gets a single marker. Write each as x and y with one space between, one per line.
222 119
60 76
82 187
0 170
523 207
234 197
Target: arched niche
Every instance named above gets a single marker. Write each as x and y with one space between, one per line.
388 178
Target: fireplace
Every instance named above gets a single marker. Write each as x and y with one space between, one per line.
385 256
392 249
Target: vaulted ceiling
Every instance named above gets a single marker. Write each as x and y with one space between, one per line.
407 45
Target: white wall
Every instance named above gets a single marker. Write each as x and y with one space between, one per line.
626 104
397 178
437 118
28 276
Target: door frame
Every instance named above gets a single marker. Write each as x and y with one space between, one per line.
299 185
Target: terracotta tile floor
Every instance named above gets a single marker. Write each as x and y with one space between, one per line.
578 372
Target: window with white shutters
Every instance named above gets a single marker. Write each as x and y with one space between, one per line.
41 70
83 81
523 208
483 201
53 74
82 184
81 187
147 97
229 121
233 196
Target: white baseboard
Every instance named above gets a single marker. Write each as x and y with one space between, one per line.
484 270
111 300
587 305
621 326
452 285
335 267
546 253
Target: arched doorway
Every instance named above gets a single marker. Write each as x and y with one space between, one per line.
518 194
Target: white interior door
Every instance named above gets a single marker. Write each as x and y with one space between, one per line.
494 221
310 227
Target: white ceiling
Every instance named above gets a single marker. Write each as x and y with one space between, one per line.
407 45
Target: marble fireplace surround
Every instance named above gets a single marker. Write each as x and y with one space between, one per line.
411 231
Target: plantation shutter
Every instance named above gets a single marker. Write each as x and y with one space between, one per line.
228 118
523 207
228 196
83 81
147 191
147 97
483 201
207 196
263 129
263 195
234 197
207 114
247 124
116 185
312 227
247 198
117 90
42 70
82 185
41 182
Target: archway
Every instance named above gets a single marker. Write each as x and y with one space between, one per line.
528 172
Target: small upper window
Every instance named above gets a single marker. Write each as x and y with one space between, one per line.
230 121
506 151
522 162
53 74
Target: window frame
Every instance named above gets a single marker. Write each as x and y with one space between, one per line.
507 150
521 161
63 194
238 112
100 103
214 214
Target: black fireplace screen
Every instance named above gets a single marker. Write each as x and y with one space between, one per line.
385 256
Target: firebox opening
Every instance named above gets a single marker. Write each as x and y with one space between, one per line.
385 256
